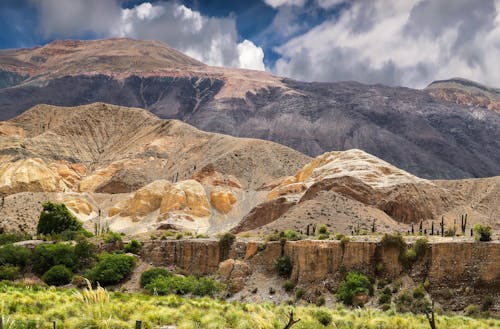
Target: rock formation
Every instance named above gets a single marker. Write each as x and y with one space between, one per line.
418 131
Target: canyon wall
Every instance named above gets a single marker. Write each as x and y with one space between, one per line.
459 273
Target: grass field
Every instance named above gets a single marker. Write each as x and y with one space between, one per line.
24 306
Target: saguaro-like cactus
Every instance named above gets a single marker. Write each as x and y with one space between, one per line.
442 226
464 223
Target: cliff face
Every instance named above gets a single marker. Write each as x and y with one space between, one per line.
460 273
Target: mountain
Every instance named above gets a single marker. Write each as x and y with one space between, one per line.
428 136
466 92
136 173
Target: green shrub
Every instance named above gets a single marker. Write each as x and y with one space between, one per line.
324 317
322 236
299 293
322 229
320 301
284 266
58 275
482 232
8 238
46 256
289 286
183 285
226 240
419 292
384 298
408 257
149 275
394 241
111 269
472 310
339 236
133 247
354 283
14 255
86 253
56 218
487 303
292 235
9 272
420 247
273 237
112 237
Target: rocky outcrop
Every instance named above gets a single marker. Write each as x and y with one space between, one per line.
446 265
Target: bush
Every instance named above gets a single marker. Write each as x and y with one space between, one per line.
284 266
133 247
9 272
112 237
323 230
180 285
58 275
111 269
420 247
226 240
354 283
292 235
322 236
149 275
8 238
324 317
384 298
46 256
14 255
482 232
86 253
299 293
273 237
56 218
395 241
419 292
487 303
289 286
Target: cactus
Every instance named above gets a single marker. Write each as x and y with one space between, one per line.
464 223
432 228
373 226
442 226
307 230
420 228
412 229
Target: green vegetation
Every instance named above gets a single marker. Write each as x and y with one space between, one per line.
292 235
482 232
58 275
283 266
183 285
9 272
14 255
55 218
35 306
111 269
149 275
289 286
86 253
112 237
133 247
46 256
8 238
354 284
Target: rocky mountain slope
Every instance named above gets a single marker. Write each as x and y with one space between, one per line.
131 169
127 169
465 92
417 131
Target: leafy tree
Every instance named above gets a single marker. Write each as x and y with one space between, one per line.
354 283
86 253
284 266
56 218
46 256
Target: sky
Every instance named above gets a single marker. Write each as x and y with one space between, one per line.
393 42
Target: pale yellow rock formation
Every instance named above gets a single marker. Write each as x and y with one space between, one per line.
29 175
79 206
186 196
223 200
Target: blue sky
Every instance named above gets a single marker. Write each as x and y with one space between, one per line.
393 42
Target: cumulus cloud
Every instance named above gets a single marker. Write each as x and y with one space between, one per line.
212 40
280 3
397 42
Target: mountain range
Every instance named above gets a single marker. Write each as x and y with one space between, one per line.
449 130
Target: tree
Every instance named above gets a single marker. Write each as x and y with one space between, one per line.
56 218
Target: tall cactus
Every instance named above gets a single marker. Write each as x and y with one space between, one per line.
432 228
442 225
464 223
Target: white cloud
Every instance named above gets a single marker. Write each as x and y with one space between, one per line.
250 56
212 40
399 43
279 3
